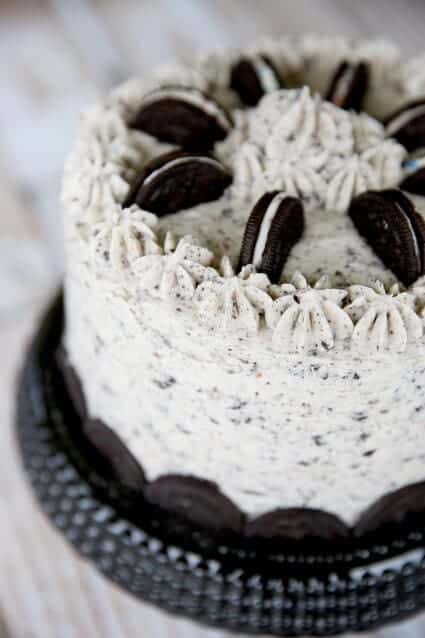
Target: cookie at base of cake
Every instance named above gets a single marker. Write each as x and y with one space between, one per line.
200 502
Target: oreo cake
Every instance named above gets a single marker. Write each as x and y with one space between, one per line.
245 286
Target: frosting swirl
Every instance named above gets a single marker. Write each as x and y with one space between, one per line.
127 235
176 271
309 319
292 141
233 302
384 320
296 142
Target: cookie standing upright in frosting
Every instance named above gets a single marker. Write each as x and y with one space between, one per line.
390 223
251 78
407 125
274 226
349 85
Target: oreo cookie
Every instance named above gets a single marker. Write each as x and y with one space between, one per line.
394 229
184 117
72 383
407 125
179 180
297 524
113 457
414 167
253 77
349 85
415 182
392 509
197 500
275 225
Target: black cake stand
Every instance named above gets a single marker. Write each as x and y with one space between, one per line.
277 589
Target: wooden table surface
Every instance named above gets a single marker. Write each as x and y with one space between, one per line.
56 57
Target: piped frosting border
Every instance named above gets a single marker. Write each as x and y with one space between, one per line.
300 316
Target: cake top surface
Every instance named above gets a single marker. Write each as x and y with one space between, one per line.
256 193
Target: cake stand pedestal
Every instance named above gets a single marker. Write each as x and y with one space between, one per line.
232 584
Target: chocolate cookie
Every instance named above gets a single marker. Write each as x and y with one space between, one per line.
253 77
349 85
296 524
394 229
198 500
115 457
415 182
414 166
178 180
407 125
392 508
72 382
184 117
275 225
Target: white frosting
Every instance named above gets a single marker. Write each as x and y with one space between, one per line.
298 143
176 272
310 319
413 74
233 303
384 321
204 371
126 236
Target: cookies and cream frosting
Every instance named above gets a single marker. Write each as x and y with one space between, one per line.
294 141
156 301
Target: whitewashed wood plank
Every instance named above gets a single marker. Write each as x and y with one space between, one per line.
42 93
84 29
25 271
143 32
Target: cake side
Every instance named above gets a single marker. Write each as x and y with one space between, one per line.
327 433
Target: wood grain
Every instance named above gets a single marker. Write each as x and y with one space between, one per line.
57 56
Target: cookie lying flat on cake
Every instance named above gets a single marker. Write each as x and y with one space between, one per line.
178 180
184 117
253 77
349 85
394 229
275 225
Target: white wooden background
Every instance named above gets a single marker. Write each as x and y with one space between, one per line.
55 57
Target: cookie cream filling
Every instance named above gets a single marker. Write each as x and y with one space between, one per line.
343 84
202 370
265 228
416 248
266 75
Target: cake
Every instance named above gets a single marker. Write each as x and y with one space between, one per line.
245 286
